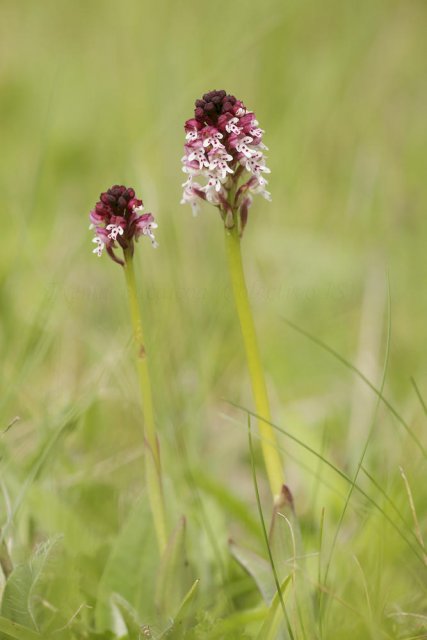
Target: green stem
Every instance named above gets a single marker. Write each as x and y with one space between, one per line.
269 445
152 450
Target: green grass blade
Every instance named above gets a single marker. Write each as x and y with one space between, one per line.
229 502
288 552
342 475
266 538
420 397
386 497
365 448
173 575
187 601
274 619
355 370
258 568
233 626
183 612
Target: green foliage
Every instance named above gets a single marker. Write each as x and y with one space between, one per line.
173 577
14 630
274 623
258 568
287 551
178 627
130 570
42 594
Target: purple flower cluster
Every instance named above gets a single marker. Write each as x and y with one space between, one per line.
117 221
223 145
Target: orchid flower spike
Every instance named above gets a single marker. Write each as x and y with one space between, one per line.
117 221
224 157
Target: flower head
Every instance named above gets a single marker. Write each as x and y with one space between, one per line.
117 220
224 157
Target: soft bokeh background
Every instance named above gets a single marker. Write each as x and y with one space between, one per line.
95 92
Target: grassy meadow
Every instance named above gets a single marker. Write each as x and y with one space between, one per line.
96 92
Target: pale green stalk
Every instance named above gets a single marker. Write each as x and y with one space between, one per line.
152 458
269 444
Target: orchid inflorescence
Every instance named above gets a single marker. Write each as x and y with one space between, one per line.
117 220
224 144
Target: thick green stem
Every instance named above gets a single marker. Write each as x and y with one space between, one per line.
152 450
269 444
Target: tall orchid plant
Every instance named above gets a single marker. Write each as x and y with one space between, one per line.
226 166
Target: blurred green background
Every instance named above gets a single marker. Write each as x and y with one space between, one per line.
96 92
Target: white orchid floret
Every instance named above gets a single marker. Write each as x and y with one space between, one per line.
193 201
256 164
198 155
232 127
242 147
100 246
212 196
115 230
256 132
148 231
192 135
219 154
258 188
214 141
221 167
190 197
214 183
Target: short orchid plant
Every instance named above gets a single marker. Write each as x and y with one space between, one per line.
118 222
